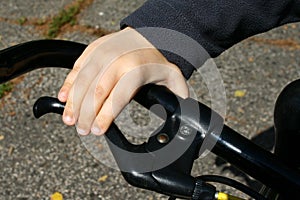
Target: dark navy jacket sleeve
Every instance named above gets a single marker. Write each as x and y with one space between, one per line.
215 24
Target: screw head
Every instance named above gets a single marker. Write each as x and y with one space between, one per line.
162 138
185 130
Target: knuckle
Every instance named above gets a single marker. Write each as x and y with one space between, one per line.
99 90
83 80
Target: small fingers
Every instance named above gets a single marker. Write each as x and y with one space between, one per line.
68 115
93 101
78 92
118 98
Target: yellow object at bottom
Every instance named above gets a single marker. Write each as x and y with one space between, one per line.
223 196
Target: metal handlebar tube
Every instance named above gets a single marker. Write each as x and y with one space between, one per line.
257 162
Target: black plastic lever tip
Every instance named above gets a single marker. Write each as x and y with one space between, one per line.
46 105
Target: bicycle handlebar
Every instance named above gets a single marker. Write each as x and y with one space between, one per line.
174 179
32 55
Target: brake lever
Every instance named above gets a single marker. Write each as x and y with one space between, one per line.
46 105
154 165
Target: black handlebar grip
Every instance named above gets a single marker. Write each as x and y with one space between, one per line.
46 105
25 57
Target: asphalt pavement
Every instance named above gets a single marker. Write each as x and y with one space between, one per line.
41 157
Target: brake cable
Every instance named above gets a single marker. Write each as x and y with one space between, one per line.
235 184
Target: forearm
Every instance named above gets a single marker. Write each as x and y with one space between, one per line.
215 24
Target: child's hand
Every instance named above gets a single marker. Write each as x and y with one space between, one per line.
108 74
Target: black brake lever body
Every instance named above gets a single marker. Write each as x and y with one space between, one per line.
145 165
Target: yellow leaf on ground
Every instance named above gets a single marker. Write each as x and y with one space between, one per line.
251 59
239 93
57 196
103 178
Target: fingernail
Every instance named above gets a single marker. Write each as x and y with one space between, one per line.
96 131
81 131
62 95
68 119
